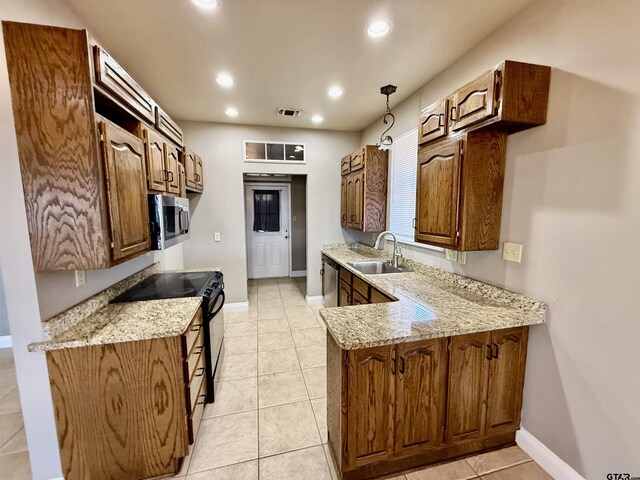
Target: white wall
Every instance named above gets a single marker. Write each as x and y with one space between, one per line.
221 207
572 197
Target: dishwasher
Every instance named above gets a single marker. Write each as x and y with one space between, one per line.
329 274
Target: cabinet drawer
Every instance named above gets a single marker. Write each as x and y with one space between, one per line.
113 78
190 335
345 275
359 299
357 160
166 125
196 392
377 296
345 165
433 122
195 358
475 101
196 416
361 287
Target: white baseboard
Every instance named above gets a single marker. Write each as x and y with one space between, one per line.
315 300
549 461
236 307
298 273
5 341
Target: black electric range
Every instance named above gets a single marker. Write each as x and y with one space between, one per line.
208 285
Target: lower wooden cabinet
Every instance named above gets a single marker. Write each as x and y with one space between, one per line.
395 407
353 290
344 294
128 410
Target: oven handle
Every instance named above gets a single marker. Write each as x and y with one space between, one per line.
215 312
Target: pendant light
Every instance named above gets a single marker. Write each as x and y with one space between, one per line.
385 140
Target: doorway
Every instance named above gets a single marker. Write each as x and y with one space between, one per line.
275 225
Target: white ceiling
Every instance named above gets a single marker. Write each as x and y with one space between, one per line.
286 53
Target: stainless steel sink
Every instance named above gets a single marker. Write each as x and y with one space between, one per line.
376 268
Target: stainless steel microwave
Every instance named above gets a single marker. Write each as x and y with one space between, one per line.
169 220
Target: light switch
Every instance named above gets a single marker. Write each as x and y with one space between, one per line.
294 218
512 252
81 278
216 237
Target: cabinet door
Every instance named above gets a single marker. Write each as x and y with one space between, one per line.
378 297
345 165
371 374
468 369
357 160
359 299
199 174
433 122
343 202
506 379
172 162
475 101
358 200
351 216
166 125
190 168
123 156
182 181
420 395
344 294
155 156
438 194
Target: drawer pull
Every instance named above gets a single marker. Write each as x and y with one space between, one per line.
196 327
197 350
200 372
203 401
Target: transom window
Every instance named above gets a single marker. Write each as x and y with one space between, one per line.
276 152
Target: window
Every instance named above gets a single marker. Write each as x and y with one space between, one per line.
402 197
273 152
266 211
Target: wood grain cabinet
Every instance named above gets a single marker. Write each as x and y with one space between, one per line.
363 193
395 407
353 290
193 171
162 158
127 410
459 191
434 122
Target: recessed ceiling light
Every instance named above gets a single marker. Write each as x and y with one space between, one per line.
206 3
231 112
225 80
317 119
335 92
378 29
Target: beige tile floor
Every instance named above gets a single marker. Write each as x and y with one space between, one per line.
269 419
14 458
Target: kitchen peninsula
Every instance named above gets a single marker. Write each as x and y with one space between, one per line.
433 372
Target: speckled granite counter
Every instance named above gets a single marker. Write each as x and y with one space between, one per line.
431 304
95 321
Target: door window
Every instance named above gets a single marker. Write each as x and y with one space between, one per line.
266 211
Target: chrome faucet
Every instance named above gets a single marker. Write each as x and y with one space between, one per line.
379 245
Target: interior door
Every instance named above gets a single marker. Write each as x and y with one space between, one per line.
123 155
438 193
267 214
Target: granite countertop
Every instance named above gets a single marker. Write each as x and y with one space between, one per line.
431 303
95 321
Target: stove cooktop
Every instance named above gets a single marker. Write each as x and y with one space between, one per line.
172 285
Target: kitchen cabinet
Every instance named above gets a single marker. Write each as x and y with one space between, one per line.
477 100
124 161
78 219
344 294
395 407
434 122
355 291
128 410
363 194
459 191
199 174
193 171
488 397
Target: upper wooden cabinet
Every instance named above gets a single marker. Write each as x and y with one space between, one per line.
512 96
459 191
167 126
172 167
115 79
461 154
363 197
155 155
124 160
193 171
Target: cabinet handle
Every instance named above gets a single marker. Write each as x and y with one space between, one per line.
393 366
413 223
441 120
196 327
402 365
489 352
496 350
198 349
201 402
200 372
170 176
452 114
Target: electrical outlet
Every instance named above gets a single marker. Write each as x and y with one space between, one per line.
216 237
294 218
451 255
81 278
462 257
512 252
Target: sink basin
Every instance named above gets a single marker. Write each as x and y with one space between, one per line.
376 268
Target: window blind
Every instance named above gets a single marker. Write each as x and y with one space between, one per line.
404 164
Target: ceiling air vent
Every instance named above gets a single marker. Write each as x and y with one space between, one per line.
289 112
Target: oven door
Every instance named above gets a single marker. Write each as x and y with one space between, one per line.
214 332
